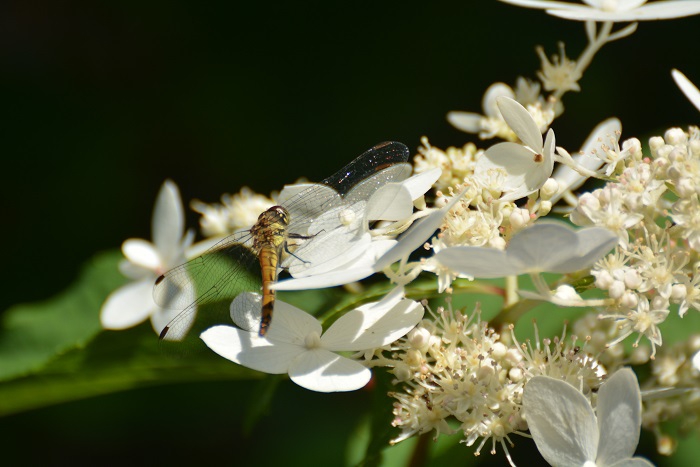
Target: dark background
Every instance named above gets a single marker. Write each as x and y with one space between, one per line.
104 100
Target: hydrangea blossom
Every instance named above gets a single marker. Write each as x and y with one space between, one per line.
145 261
544 247
526 166
567 431
296 344
613 10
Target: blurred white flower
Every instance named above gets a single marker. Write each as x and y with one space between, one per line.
613 10
543 247
490 124
133 303
689 89
568 432
526 166
296 344
235 212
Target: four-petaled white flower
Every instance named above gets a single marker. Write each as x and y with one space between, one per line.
133 303
689 89
526 166
296 344
543 247
569 433
350 253
591 157
614 11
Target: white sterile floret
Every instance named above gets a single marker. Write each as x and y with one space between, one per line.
526 166
689 89
133 303
613 10
351 252
543 247
606 134
489 125
296 344
568 432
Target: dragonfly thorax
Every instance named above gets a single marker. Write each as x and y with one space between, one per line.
271 228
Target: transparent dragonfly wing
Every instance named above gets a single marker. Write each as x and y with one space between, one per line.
217 276
318 224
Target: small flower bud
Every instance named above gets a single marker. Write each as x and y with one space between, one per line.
659 303
419 338
549 189
604 280
655 143
402 372
632 279
629 299
519 218
617 289
675 136
678 292
498 351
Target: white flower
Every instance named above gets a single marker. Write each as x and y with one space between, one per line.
543 247
350 253
133 303
689 89
526 166
613 10
491 123
239 211
296 344
607 133
568 433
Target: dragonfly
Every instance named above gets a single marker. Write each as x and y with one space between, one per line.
308 223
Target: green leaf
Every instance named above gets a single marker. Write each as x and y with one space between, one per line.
113 361
31 334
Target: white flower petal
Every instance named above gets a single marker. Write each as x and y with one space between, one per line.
142 253
129 305
323 371
688 88
490 100
648 12
568 178
168 222
250 350
619 417
289 324
561 421
392 202
481 262
419 232
327 279
374 324
521 122
326 252
419 184
543 247
593 243
465 121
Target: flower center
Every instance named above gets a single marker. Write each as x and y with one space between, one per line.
312 340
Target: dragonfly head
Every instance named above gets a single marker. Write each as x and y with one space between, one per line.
276 214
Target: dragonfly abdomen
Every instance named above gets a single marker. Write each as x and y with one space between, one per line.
270 236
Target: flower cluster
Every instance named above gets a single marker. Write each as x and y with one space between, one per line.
637 249
453 366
